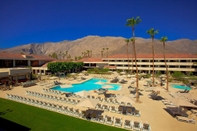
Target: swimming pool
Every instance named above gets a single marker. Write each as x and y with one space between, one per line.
92 84
183 87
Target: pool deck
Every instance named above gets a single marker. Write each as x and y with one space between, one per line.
152 111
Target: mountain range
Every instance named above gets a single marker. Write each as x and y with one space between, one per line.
115 45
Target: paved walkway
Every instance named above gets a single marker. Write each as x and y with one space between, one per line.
152 111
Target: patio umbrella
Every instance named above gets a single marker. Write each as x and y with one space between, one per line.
182 103
90 103
80 74
189 96
155 88
124 99
162 76
84 71
53 78
122 73
83 93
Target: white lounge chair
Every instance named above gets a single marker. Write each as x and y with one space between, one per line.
136 125
127 124
118 122
145 126
109 120
189 120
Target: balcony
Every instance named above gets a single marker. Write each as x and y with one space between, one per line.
4 73
15 71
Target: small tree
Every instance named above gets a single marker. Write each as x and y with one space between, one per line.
178 75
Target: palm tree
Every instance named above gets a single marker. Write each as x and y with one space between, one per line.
107 50
60 54
103 51
88 53
69 57
152 33
164 39
132 23
64 55
127 42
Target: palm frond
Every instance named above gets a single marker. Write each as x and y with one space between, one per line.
164 39
126 40
132 39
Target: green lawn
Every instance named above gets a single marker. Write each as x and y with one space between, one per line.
38 119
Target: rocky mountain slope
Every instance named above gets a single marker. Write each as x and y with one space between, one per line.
115 45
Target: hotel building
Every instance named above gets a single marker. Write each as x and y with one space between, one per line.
16 66
175 62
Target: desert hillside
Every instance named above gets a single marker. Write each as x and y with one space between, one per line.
115 45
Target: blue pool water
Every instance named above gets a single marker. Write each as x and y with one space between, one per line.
91 84
183 87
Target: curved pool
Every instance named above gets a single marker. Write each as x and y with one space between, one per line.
92 84
182 87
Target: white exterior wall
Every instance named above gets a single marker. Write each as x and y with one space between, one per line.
174 64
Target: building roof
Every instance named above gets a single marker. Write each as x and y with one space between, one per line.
45 65
156 56
9 55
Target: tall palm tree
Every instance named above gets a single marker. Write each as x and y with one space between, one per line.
132 23
127 42
87 53
107 51
82 54
66 53
63 55
60 54
90 53
163 40
152 33
103 51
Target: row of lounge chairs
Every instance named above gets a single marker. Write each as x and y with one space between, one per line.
52 97
115 80
51 91
47 105
111 100
128 124
120 109
186 119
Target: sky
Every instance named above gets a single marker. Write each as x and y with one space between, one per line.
38 21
